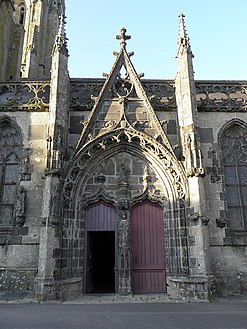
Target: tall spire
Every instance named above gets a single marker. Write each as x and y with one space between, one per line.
183 39
186 103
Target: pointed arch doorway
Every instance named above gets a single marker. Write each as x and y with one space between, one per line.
100 250
148 254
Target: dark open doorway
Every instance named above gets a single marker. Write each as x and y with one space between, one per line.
101 262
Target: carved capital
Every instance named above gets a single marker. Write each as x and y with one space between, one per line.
196 218
197 172
215 178
220 222
50 221
20 220
26 176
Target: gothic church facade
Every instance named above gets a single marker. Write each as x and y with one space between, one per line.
118 184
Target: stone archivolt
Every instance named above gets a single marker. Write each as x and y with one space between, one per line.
128 140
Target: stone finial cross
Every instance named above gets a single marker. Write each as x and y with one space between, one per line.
123 37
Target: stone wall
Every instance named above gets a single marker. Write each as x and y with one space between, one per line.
18 267
227 249
224 250
11 36
229 269
6 23
208 238
19 256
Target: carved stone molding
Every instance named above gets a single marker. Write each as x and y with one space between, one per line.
84 92
221 96
21 206
26 176
51 221
161 94
214 96
192 152
100 194
220 222
215 176
123 87
55 150
196 218
147 144
25 96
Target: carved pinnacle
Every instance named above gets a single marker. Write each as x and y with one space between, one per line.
123 37
183 36
182 29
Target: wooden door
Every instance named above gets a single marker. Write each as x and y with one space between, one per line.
148 260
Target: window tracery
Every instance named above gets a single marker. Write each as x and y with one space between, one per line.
234 156
10 154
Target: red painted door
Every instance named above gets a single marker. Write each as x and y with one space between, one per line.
148 261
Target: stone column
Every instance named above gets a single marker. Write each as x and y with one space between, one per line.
190 142
56 143
124 253
124 241
49 243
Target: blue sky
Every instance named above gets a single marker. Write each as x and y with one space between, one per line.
217 30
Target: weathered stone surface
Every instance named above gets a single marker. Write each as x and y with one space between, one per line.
179 145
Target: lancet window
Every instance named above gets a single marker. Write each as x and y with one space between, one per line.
234 155
10 154
20 12
22 15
